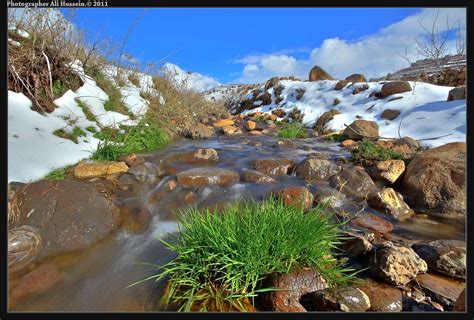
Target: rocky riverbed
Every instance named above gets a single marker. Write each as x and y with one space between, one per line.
76 244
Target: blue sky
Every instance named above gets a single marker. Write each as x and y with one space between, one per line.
241 45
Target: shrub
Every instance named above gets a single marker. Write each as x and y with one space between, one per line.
292 131
368 151
224 257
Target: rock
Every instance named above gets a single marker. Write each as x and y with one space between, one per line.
256 177
132 160
250 125
391 202
316 169
407 151
372 223
276 167
397 264
382 297
280 113
390 114
230 130
360 129
347 299
271 82
199 131
255 133
317 73
207 176
336 102
146 172
389 170
273 117
292 286
39 280
393 87
24 244
445 256
325 194
198 156
299 93
88 169
361 88
286 143
460 304
299 197
435 179
409 142
356 77
348 143
223 122
356 245
458 93
266 99
322 121
441 289
341 84
135 218
353 182
69 214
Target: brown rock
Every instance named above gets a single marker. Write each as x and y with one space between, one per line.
324 194
317 73
292 287
336 102
299 197
393 87
361 88
389 170
280 113
276 167
372 223
97 169
321 122
435 179
250 125
458 93
390 114
391 202
132 160
382 297
360 129
316 169
256 177
460 304
197 156
353 182
207 176
229 130
255 133
347 143
341 84
356 244
199 131
347 299
441 289
356 77
223 122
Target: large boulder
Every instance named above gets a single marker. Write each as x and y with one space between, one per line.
445 256
435 179
397 264
341 84
317 73
356 77
360 129
69 215
321 122
391 202
353 182
458 93
312 169
393 87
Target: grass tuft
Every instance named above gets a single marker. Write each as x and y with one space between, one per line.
292 130
224 257
87 112
368 151
73 136
115 102
60 174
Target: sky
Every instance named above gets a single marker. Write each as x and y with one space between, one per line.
248 45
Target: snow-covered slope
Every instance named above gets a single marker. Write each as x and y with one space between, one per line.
425 113
194 81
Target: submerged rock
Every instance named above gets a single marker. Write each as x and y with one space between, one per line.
24 244
276 167
256 177
372 223
207 176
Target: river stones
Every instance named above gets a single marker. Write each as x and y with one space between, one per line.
203 176
325 194
397 264
389 170
70 215
223 122
372 223
146 172
347 299
299 197
24 244
199 131
356 244
353 182
254 176
87 169
391 202
382 297
445 256
292 287
316 169
441 289
197 156
276 167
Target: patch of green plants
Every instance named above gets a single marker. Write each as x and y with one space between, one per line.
59 174
367 150
68 81
140 138
115 102
59 88
85 108
224 257
337 137
292 131
73 136
91 129
258 119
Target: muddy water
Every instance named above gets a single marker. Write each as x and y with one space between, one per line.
97 279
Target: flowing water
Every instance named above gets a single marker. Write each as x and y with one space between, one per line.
96 279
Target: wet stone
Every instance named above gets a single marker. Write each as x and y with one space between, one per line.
441 289
24 244
207 176
353 182
254 176
356 245
316 169
299 197
276 167
372 223
347 299
382 297
391 202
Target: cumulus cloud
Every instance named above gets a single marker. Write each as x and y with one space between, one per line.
373 55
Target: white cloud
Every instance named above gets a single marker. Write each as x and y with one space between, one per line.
373 55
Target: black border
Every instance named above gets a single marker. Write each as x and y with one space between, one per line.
261 315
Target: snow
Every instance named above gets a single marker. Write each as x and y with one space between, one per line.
22 33
425 113
194 81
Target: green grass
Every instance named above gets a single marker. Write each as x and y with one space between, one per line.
224 257
292 131
115 97
140 138
91 129
59 174
258 119
367 150
337 137
73 136
87 112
